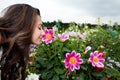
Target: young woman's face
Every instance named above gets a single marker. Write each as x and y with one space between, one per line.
38 31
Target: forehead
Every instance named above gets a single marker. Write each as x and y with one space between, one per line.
38 20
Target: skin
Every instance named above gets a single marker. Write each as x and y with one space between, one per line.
38 31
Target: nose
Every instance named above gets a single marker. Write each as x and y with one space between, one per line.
43 32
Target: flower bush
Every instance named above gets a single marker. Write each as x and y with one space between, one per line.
90 54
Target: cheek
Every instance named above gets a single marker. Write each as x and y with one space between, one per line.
36 35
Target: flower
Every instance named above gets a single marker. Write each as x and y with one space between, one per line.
32 76
73 60
49 36
55 28
32 48
31 59
102 46
99 69
96 59
87 49
102 54
83 36
106 78
63 37
74 34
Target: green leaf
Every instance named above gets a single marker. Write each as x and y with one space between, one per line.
81 76
98 74
49 66
66 49
84 67
50 74
44 74
59 71
56 77
63 77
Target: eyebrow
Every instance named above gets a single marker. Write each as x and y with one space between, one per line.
41 25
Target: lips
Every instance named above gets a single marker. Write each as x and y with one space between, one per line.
40 38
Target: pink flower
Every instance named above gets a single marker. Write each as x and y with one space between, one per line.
63 37
96 59
49 36
83 36
74 34
73 61
102 54
55 28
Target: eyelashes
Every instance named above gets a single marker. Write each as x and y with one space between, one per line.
40 26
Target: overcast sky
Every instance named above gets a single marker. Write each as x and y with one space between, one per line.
80 11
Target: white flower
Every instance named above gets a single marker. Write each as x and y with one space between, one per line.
32 54
117 64
32 76
110 65
109 58
87 48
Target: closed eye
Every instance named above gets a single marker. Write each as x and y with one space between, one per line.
40 26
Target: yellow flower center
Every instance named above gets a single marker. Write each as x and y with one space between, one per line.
72 60
95 59
63 40
48 36
32 79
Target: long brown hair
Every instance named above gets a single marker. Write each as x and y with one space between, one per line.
16 28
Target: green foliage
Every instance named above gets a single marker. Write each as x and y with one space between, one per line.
107 38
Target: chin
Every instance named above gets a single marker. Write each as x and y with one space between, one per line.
37 43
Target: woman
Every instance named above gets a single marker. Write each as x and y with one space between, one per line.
20 26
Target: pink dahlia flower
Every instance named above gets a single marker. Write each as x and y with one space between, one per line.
73 60
83 36
96 59
63 37
49 36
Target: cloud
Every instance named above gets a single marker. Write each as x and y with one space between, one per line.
81 11
95 7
